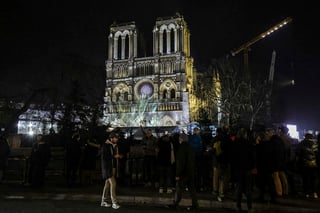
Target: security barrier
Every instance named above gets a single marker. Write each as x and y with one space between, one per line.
18 165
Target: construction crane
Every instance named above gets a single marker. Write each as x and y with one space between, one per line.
271 71
269 86
245 47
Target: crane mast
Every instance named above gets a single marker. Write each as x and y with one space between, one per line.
271 72
269 87
247 76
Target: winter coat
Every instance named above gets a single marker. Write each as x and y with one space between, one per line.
164 155
40 154
308 153
150 145
185 161
197 144
108 162
243 156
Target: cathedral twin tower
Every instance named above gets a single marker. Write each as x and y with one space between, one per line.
151 91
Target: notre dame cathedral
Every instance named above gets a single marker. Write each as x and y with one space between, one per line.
150 91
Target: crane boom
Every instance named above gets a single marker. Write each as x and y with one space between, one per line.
246 45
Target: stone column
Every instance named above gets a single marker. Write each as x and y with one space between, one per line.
182 39
123 47
130 45
176 40
168 41
161 42
155 41
110 42
135 44
115 48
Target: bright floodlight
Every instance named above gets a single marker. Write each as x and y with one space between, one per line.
293 131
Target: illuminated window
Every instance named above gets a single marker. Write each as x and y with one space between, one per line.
146 90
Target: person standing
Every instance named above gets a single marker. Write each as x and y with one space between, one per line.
39 160
279 156
150 146
196 143
243 160
266 158
89 161
124 148
221 148
74 149
283 172
185 173
110 157
166 160
4 154
308 154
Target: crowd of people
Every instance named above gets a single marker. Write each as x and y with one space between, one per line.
235 160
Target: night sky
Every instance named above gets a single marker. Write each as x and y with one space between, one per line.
40 39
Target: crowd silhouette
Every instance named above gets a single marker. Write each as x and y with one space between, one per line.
235 161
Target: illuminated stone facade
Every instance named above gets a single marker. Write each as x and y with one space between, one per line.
149 91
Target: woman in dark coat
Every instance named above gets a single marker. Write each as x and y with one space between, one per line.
110 156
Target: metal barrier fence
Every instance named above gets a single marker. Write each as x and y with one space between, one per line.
17 168
18 165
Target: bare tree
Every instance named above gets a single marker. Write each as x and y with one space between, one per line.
238 101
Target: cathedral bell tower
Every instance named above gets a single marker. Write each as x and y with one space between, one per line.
150 91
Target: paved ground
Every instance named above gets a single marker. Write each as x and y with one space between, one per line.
138 195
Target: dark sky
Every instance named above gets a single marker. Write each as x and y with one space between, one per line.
39 37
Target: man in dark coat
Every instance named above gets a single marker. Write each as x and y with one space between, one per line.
243 160
39 160
266 166
185 172
165 163
74 149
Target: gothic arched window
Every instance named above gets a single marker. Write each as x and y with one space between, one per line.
172 41
125 96
119 47
172 94
164 95
164 42
118 96
126 46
